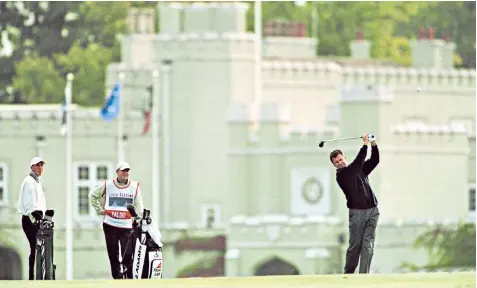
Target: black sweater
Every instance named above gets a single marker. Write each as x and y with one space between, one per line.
353 180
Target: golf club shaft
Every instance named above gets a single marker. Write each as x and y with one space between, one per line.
340 139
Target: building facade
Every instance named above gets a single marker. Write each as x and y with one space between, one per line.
239 151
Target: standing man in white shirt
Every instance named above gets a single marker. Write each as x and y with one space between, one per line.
110 200
31 198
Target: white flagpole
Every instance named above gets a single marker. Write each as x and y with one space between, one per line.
120 119
69 177
165 72
258 60
155 148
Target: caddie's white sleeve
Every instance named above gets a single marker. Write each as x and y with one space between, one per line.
138 203
94 197
29 198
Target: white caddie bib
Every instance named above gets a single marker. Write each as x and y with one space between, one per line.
116 202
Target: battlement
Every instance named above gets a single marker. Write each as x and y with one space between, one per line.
365 93
271 113
77 113
298 66
430 138
422 128
30 120
301 72
413 77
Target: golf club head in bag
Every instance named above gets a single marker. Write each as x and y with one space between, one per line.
44 261
49 215
37 214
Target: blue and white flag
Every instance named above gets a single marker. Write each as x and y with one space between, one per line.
111 107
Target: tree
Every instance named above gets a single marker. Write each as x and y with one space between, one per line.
34 29
103 22
89 67
38 80
448 247
454 19
388 25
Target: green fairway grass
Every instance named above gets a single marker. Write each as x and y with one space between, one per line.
457 279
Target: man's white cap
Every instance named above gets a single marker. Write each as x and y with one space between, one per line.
123 166
36 160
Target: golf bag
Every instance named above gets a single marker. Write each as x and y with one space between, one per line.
44 265
142 257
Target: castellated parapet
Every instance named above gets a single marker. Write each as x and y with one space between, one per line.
303 73
427 138
45 120
273 130
411 78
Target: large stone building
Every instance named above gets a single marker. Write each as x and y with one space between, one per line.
238 146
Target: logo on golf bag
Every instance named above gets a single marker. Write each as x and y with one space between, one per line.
155 264
138 260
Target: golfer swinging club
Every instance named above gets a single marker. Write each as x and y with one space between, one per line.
110 200
362 204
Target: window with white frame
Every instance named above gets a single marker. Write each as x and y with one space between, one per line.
3 183
89 175
210 216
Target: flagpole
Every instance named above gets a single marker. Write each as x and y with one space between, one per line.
69 178
120 120
155 148
258 60
165 73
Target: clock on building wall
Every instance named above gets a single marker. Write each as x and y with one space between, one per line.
312 190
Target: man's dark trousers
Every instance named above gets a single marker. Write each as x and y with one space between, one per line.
30 231
362 233
113 236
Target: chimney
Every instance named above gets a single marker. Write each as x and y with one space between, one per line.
421 33
287 39
447 52
141 21
431 33
431 53
360 48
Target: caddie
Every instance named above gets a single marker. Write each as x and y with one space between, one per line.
110 200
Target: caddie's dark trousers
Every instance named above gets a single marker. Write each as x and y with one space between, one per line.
362 233
30 232
113 236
